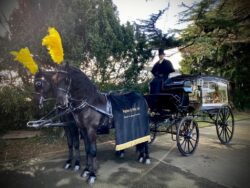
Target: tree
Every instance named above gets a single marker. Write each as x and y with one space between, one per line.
93 38
217 43
155 36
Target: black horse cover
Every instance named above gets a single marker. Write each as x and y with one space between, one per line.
130 112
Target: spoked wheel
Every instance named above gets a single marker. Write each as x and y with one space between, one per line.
187 136
225 124
153 131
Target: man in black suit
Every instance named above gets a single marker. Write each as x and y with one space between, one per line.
161 70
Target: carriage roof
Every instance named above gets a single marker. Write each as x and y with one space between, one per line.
204 91
197 77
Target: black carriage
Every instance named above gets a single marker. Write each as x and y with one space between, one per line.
186 100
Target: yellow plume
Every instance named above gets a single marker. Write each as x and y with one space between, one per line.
53 43
24 56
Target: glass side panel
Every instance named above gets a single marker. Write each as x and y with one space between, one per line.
214 93
195 95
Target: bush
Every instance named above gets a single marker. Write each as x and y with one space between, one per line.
141 88
16 108
241 99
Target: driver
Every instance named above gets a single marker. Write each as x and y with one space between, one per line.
160 70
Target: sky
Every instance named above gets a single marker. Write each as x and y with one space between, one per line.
6 6
134 10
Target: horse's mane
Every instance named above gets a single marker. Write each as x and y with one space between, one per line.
81 85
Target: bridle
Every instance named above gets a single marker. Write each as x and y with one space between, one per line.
66 91
42 98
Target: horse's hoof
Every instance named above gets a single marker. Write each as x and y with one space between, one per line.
85 174
140 160
67 166
122 155
91 180
77 167
147 161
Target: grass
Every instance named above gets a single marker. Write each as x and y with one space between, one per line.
204 124
238 116
16 151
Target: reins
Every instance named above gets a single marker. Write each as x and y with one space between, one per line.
43 122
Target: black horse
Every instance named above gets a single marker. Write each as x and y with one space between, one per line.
45 90
76 91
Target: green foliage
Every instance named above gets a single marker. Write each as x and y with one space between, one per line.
16 108
217 43
156 38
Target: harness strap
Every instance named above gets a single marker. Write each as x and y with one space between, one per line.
51 112
84 104
49 122
43 122
110 114
43 99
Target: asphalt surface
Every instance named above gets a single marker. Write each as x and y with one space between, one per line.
212 165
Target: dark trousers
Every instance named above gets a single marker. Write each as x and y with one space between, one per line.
155 85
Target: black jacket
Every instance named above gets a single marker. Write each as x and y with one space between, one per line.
162 69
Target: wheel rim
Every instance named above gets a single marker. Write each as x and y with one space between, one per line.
225 125
187 136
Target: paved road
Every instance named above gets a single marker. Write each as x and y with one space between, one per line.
213 165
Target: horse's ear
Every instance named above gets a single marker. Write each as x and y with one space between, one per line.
39 70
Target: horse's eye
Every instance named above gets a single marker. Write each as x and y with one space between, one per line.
38 83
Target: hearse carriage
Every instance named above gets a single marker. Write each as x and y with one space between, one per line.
185 100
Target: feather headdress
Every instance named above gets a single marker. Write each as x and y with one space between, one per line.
25 57
53 43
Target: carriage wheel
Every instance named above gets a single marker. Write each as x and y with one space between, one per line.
187 136
153 131
225 124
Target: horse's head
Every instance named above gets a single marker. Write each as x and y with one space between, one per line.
62 81
42 86
72 84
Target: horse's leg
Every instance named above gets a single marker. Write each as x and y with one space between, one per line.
140 149
70 147
92 155
122 153
147 158
76 147
85 172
